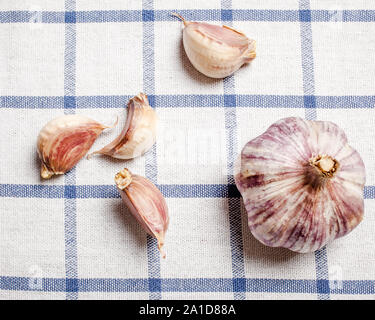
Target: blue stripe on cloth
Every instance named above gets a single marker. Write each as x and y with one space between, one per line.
309 100
114 285
369 192
23 284
234 204
31 191
104 16
70 17
321 263
32 17
342 15
266 15
109 16
355 287
23 102
322 275
153 255
351 287
191 101
70 205
281 285
109 191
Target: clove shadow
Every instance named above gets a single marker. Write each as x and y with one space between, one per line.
119 163
36 165
246 66
131 226
112 160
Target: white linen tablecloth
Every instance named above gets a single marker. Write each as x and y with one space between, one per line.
71 237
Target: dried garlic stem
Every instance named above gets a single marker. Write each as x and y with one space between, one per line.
325 165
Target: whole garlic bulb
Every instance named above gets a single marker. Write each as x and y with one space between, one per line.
216 51
302 184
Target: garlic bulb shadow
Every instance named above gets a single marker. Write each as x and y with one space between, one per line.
253 249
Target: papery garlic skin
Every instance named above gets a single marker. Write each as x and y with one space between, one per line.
146 203
138 134
63 141
302 184
216 51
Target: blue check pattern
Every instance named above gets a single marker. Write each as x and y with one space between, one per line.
154 284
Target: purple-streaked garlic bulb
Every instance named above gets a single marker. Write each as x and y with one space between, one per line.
146 203
216 51
302 184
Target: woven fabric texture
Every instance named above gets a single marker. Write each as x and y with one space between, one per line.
71 237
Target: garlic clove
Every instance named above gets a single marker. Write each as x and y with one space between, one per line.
63 141
139 133
302 184
146 203
216 51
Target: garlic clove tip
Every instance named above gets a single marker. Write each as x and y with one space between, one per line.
251 52
160 239
89 156
45 173
181 18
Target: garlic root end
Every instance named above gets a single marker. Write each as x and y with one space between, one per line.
45 173
326 165
251 52
123 179
160 240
